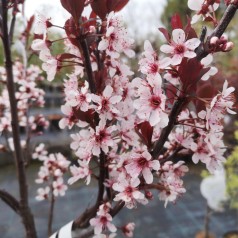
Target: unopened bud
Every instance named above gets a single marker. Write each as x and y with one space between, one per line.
214 40
149 195
228 46
224 39
92 29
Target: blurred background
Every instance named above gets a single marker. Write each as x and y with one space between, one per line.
192 214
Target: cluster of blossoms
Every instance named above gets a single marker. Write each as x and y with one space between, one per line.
204 9
51 172
28 96
102 224
130 130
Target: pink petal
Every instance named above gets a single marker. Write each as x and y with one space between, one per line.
193 43
115 99
195 5
108 91
177 59
147 175
178 36
189 54
167 49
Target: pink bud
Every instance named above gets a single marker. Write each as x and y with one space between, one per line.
149 195
224 38
214 40
92 29
228 46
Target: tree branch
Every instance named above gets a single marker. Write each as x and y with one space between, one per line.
10 201
203 50
177 108
88 66
26 215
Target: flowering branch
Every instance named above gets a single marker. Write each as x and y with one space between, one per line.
88 65
25 211
177 108
204 49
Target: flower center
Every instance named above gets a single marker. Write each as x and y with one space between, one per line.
105 104
155 101
103 220
128 190
101 136
142 162
154 68
82 97
179 49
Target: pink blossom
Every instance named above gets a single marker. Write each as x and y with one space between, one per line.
116 39
203 9
102 138
50 66
43 193
59 187
150 63
206 62
142 163
105 103
128 192
40 152
151 102
42 24
79 98
128 229
179 47
80 172
101 223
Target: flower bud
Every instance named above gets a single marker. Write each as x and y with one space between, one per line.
214 40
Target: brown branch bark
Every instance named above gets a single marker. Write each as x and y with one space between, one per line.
202 51
10 201
51 212
25 211
88 66
177 108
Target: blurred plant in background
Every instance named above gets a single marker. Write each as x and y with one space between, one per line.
232 175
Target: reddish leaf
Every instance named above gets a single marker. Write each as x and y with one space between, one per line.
190 72
116 5
87 116
170 93
189 31
165 33
65 56
100 8
145 131
74 7
176 22
71 31
29 24
204 90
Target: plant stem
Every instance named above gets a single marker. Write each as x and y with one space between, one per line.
10 201
203 50
25 211
51 212
88 66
